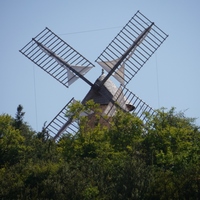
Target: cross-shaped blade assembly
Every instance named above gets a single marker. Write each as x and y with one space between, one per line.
122 58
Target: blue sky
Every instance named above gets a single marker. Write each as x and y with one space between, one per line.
169 79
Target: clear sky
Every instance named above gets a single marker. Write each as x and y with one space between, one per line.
171 78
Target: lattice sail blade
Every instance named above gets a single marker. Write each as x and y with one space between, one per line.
57 58
62 124
131 48
129 102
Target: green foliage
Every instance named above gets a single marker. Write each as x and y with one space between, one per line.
126 160
126 132
172 146
172 140
11 142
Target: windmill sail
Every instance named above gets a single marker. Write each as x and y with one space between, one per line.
128 101
62 124
131 48
57 58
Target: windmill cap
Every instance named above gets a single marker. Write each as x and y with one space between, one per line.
110 86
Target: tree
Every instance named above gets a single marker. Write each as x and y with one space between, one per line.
11 142
125 160
172 146
18 121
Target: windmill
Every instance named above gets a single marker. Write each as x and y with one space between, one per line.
121 59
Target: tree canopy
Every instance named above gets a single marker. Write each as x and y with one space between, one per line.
125 160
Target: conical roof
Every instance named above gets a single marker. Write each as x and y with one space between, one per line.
106 92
